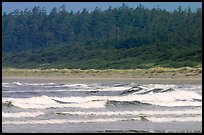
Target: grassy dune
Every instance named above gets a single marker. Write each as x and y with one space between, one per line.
156 72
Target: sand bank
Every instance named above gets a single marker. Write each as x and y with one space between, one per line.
154 75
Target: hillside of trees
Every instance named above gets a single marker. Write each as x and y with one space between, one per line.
120 38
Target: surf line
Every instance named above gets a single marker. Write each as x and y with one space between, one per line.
62 102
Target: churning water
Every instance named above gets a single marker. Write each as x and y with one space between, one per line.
92 107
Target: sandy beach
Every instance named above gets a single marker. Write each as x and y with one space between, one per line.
63 79
155 75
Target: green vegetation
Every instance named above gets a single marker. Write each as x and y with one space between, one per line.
129 73
119 38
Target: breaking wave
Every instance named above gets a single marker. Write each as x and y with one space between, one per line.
21 114
140 96
75 103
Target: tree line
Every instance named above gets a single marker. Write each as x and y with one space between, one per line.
121 37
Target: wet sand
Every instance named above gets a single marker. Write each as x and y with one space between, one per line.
139 80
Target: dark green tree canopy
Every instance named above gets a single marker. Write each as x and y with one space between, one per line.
117 37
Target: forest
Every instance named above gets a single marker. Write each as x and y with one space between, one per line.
116 38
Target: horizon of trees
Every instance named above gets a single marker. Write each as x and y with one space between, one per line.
115 37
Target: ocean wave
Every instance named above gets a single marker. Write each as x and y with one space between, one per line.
152 94
62 121
177 119
125 103
102 120
152 113
144 90
43 102
17 83
21 114
35 91
168 98
7 104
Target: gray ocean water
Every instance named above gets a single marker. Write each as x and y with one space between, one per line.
100 107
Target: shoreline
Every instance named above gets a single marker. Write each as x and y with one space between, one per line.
184 75
64 79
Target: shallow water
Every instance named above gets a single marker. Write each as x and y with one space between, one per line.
98 107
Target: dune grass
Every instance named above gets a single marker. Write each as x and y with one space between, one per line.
151 72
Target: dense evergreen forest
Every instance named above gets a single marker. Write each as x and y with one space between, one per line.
120 38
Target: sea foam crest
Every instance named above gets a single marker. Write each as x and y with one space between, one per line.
48 102
196 111
22 114
175 97
99 120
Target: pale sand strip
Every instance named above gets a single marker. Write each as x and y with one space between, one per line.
71 79
183 75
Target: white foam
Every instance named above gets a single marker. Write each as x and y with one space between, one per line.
5 84
100 88
40 90
159 86
171 98
22 114
77 85
137 113
43 102
62 121
33 102
37 84
176 119
17 83
177 97
122 88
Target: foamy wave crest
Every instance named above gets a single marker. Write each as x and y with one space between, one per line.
43 102
186 112
63 121
31 84
147 94
178 119
170 98
161 86
21 114
60 121
6 85
34 91
17 83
